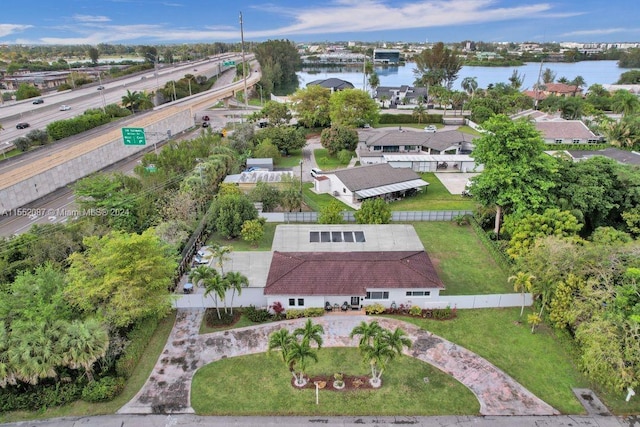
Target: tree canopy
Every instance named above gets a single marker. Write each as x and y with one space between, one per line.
352 108
312 106
437 66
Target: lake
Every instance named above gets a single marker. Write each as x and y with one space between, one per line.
602 72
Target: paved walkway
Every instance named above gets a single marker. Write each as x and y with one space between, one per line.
169 386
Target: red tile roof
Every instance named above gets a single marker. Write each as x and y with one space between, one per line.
349 273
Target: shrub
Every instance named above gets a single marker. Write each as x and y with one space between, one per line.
22 144
313 312
257 315
138 340
212 319
408 118
344 156
103 390
294 313
38 137
278 309
415 311
376 308
31 398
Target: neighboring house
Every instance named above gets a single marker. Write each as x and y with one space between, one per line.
394 95
248 180
314 264
556 130
558 89
621 156
424 149
332 84
360 183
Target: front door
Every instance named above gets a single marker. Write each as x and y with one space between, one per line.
355 303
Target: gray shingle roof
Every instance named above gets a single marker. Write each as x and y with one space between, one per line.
332 83
364 177
567 129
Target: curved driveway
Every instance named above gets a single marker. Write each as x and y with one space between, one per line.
168 388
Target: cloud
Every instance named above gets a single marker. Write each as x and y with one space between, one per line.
91 18
597 32
6 29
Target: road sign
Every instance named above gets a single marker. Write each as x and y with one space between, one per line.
226 63
133 136
151 168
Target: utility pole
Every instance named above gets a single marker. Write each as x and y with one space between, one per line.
244 66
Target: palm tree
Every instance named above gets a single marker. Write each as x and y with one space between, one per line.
578 82
145 101
6 372
470 85
548 75
220 254
516 80
201 274
625 102
522 282
376 355
280 340
397 340
236 281
215 285
84 343
298 356
131 100
419 112
310 332
374 81
367 332
34 353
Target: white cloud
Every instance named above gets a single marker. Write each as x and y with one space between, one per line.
6 29
596 32
91 18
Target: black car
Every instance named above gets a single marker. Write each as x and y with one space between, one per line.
38 101
22 125
205 124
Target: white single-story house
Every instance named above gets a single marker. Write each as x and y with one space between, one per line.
248 180
364 182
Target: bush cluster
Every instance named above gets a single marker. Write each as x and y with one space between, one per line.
376 308
65 128
103 390
31 398
293 313
35 137
139 338
257 315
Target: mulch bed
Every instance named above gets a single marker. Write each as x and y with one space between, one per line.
351 382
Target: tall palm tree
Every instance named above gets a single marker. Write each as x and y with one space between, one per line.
280 340
220 253
625 102
145 101
310 332
201 274
420 112
298 356
367 332
470 85
131 100
548 75
397 340
578 82
34 353
217 286
236 281
84 343
522 282
376 355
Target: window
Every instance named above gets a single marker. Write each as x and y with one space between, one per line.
576 141
391 149
359 236
418 293
409 147
347 236
558 141
314 237
325 236
377 295
292 301
377 147
301 301
344 190
336 236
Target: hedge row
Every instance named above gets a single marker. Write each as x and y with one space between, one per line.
388 119
293 313
32 398
139 338
65 128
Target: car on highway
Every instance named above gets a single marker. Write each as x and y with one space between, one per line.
65 107
430 129
22 125
38 101
100 87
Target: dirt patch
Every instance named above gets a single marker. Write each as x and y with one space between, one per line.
351 383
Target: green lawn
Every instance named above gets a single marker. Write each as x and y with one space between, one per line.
290 161
261 385
240 245
316 202
461 260
435 198
541 362
326 162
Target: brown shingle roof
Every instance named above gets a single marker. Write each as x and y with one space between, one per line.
566 129
363 177
349 273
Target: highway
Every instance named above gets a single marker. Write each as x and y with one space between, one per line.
86 97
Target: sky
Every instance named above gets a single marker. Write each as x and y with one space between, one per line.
158 22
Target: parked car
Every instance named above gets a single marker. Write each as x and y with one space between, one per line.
205 124
65 108
38 101
315 172
22 125
203 256
100 87
205 118
430 128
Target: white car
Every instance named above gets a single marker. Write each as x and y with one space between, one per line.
430 129
315 172
203 256
65 108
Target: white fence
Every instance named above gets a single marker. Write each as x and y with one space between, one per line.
396 216
487 301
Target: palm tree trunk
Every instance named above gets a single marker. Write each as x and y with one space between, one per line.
522 308
496 228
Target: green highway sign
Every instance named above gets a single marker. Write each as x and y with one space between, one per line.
133 136
225 63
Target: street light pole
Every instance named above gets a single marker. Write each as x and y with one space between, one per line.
244 67
301 185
